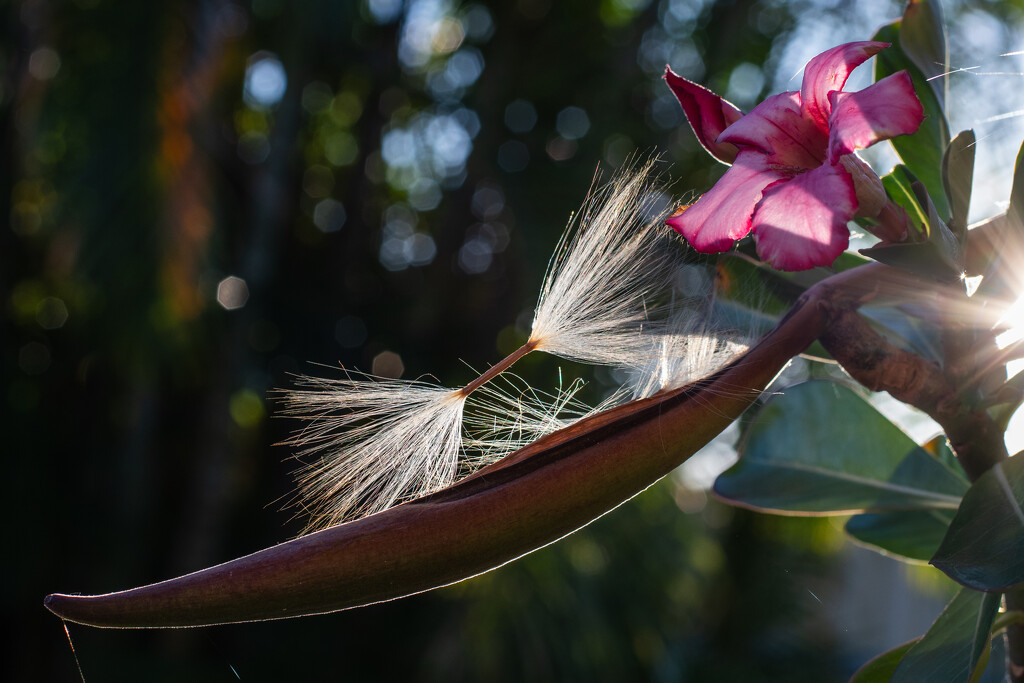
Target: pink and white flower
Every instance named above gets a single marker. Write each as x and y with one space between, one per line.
795 179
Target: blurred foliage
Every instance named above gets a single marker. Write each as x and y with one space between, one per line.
206 196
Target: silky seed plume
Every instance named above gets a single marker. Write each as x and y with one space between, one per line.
610 265
509 414
371 443
689 351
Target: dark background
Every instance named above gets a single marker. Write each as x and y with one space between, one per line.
386 199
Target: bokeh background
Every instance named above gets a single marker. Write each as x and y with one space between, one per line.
203 198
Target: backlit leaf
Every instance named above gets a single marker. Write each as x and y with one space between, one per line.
913 534
951 648
984 547
798 457
923 39
881 668
922 151
897 185
957 178
939 258
1017 192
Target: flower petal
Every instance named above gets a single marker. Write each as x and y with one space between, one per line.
722 216
778 128
801 224
880 111
707 113
828 72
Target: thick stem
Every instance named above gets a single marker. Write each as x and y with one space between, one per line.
880 366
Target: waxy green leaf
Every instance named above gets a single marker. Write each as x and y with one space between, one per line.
881 668
990 667
984 547
952 647
913 534
1016 209
957 178
939 233
1012 393
751 295
923 39
907 331
998 265
939 258
754 287
797 458
922 151
898 186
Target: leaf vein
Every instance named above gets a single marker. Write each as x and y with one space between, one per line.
952 502
1008 492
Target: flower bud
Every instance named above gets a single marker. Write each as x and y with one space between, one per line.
871 197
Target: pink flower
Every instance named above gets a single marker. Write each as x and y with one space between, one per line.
795 179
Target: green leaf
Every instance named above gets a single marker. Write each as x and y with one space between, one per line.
923 39
1016 209
847 260
939 258
912 534
923 258
744 278
881 668
819 448
938 232
900 327
957 178
984 547
991 667
750 296
999 266
1012 393
922 151
898 186
939 447
951 648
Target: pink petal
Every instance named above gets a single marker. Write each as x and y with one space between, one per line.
778 128
880 111
828 72
707 113
801 223
722 216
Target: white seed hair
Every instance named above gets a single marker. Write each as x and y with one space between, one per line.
612 262
687 352
508 414
372 443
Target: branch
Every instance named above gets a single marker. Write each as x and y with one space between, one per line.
880 366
